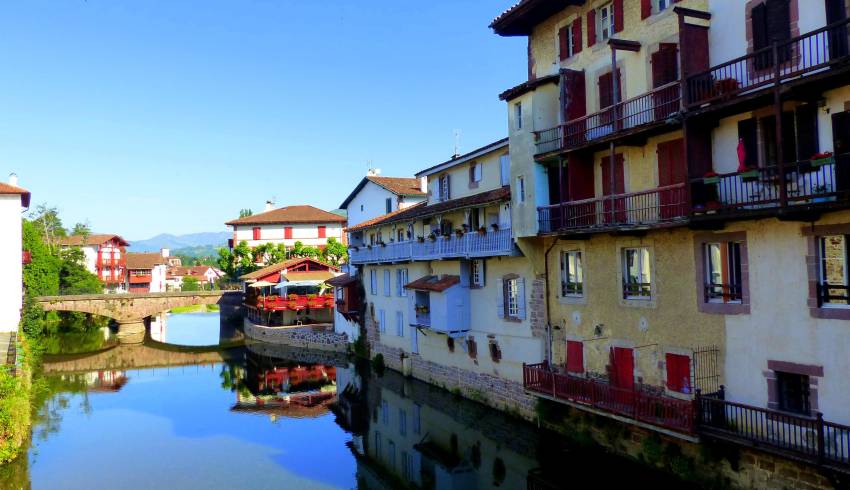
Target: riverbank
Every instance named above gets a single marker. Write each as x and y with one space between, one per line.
308 337
16 397
196 309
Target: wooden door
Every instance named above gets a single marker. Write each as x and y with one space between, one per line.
841 145
615 209
622 368
665 69
671 171
838 43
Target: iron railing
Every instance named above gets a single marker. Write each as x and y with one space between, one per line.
470 244
654 106
805 183
801 55
809 438
651 408
659 205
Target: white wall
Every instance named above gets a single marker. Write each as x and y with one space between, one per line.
307 234
11 267
372 198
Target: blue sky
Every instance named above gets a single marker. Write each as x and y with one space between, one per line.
169 116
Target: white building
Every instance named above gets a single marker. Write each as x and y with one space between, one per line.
206 275
105 256
146 272
12 200
375 196
306 224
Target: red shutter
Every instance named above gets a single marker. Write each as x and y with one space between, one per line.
671 162
619 176
591 28
575 100
580 178
256 233
606 94
678 373
577 36
563 46
287 232
322 232
645 8
665 64
575 356
618 15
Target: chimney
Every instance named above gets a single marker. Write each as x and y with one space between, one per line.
373 172
13 179
165 252
423 184
269 205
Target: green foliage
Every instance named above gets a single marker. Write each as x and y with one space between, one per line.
41 275
48 224
32 318
81 229
269 253
190 284
335 252
378 364
300 250
15 406
361 348
245 212
74 278
238 261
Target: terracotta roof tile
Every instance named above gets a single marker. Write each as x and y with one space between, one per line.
341 280
420 211
290 214
9 189
402 186
144 260
433 283
91 239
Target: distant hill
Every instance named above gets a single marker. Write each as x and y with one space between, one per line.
211 240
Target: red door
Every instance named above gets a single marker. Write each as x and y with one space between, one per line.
671 171
664 71
623 368
615 209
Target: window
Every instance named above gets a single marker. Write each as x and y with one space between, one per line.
520 188
389 204
572 276
387 285
678 373
256 232
474 174
832 280
323 232
505 169
391 451
400 235
476 273
518 115
382 321
723 280
417 419
405 465
793 391
385 412
605 22
444 187
399 323
287 233
361 208
512 297
662 5
569 39
636 273
401 280
402 421
373 282
378 444
575 356
771 23
511 303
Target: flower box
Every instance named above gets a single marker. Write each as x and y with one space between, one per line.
711 179
819 162
749 175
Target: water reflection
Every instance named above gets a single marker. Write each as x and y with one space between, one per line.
193 329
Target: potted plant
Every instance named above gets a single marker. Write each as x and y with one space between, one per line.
459 233
495 226
382 243
420 239
369 246
447 236
822 158
482 231
432 236
725 86
710 178
749 174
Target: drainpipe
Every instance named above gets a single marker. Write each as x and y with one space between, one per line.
546 301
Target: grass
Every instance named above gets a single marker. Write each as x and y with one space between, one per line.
195 309
15 408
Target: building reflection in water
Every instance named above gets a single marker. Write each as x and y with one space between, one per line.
159 327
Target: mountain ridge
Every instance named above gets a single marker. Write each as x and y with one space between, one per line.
176 242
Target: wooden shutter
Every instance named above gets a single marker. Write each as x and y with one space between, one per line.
575 100
789 141
577 35
618 15
563 43
645 8
323 232
747 132
606 94
678 373
807 131
591 27
575 356
500 299
619 180
520 302
758 20
694 41
778 20
665 64
580 176
287 232
256 232
671 162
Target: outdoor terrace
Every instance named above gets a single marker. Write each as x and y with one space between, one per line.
294 302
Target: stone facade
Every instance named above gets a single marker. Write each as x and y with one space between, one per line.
304 337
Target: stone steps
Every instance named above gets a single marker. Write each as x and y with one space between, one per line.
7 348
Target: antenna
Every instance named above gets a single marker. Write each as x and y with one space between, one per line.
457 144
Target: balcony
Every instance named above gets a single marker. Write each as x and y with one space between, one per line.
809 438
469 245
140 279
440 304
807 55
654 409
654 207
294 302
632 115
820 183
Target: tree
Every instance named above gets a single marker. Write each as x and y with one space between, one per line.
190 284
48 223
74 278
335 252
238 261
269 253
245 212
41 275
81 229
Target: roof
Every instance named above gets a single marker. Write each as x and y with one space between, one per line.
420 211
520 19
144 260
384 217
400 186
265 271
464 158
90 239
433 283
341 280
194 270
9 189
528 86
290 214
308 276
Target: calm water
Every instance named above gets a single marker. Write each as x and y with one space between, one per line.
271 417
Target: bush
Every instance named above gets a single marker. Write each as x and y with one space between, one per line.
15 408
378 364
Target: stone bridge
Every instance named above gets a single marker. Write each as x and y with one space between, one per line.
130 310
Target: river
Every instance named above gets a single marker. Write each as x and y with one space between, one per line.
262 416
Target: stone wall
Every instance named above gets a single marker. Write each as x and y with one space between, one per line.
299 354
305 337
